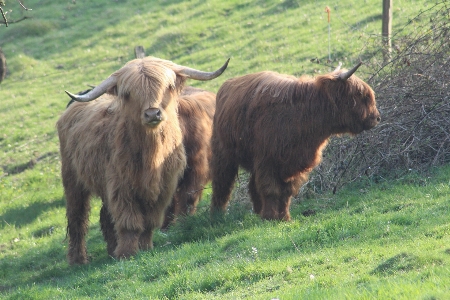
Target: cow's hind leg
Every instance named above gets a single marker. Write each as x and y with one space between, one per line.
171 213
186 198
196 176
77 213
108 231
190 190
224 169
254 195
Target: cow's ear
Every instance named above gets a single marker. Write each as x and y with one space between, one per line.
178 85
326 86
366 99
112 90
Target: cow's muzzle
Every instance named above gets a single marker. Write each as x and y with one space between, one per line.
372 121
152 116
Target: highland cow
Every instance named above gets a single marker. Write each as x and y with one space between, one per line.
195 113
127 149
275 126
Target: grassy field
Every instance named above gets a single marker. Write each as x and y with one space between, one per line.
369 241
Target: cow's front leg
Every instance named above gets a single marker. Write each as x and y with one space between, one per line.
146 239
128 222
127 244
108 231
254 195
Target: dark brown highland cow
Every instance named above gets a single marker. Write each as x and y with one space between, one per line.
195 113
127 149
276 126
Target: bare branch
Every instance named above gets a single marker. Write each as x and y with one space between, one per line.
23 5
4 17
5 20
15 21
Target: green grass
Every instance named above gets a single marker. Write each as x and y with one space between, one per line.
388 241
369 241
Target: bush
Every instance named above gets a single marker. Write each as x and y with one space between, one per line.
413 95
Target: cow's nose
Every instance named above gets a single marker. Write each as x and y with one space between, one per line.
153 116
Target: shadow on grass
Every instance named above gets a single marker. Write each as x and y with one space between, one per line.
46 264
203 227
404 262
21 167
21 216
35 265
369 19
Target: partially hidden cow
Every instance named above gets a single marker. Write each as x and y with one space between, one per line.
275 126
195 113
126 147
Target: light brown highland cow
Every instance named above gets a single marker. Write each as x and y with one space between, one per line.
126 148
275 126
195 113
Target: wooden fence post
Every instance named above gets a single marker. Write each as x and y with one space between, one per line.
386 29
2 65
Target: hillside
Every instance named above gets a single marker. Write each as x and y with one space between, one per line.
368 241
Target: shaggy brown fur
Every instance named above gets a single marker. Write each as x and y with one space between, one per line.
196 112
110 149
276 126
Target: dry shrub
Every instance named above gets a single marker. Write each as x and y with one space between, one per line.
413 95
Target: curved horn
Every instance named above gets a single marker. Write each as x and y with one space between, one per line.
200 75
96 92
346 75
338 67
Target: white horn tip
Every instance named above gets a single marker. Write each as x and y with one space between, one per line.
72 96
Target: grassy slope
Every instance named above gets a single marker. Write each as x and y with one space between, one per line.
382 241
